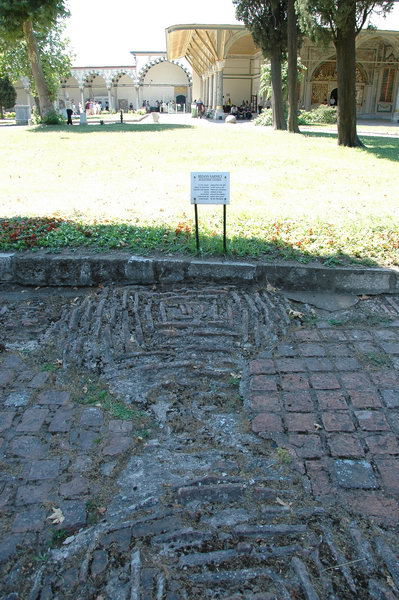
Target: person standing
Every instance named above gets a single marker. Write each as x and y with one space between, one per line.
69 112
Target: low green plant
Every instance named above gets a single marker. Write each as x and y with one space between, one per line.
321 114
53 118
283 456
58 536
377 359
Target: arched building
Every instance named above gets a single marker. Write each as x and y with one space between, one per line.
220 64
227 64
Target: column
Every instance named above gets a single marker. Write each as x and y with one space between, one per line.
219 114
206 97
82 96
210 93
137 96
109 98
395 114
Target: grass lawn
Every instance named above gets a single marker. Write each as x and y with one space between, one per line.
294 197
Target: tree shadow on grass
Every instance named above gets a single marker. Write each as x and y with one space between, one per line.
109 128
56 235
380 146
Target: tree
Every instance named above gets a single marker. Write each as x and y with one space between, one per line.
56 58
8 95
267 21
341 21
25 19
292 44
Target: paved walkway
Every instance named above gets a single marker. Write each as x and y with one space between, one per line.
197 442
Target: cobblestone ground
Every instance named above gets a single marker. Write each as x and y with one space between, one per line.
193 443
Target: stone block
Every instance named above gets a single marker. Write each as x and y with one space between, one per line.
203 270
293 382
372 420
33 419
300 421
324 381
230 119
331 400
28 446
53 397
365 399
306 446
33 494
139 270
44 469
262 383
337 421
267 422
91 417
29 520
6 266
389 471
171 270
75 514
298 401
355 474
385 443
6 419
345 444
17 399
363 281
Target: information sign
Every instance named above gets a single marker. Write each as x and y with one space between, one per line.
210 188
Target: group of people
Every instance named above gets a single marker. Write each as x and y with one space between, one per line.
93 107
241 112
162 107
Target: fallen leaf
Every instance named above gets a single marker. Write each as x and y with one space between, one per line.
270 288
84 389
364 297
56 517
390 582
102 510
295 314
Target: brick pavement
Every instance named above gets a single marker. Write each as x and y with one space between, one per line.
202 508
51 449
331 397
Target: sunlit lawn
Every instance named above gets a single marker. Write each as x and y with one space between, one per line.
293 197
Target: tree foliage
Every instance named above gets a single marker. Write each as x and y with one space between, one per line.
56 58
8 95
340 21
42 13
26 20
267 22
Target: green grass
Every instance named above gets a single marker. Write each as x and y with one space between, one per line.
126 186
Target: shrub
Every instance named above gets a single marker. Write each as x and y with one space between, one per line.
53 118
265 118
321 114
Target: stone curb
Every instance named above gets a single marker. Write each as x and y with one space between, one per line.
70 269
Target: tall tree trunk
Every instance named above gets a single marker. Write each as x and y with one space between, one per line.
277 91
37 71
292 35
346 75
1 112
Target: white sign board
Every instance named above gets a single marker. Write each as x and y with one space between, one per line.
210 188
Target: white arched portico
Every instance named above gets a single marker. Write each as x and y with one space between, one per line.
161 80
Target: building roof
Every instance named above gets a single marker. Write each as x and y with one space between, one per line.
204 45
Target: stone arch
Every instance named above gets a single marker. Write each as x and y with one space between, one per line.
327 71
157 61
244 42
